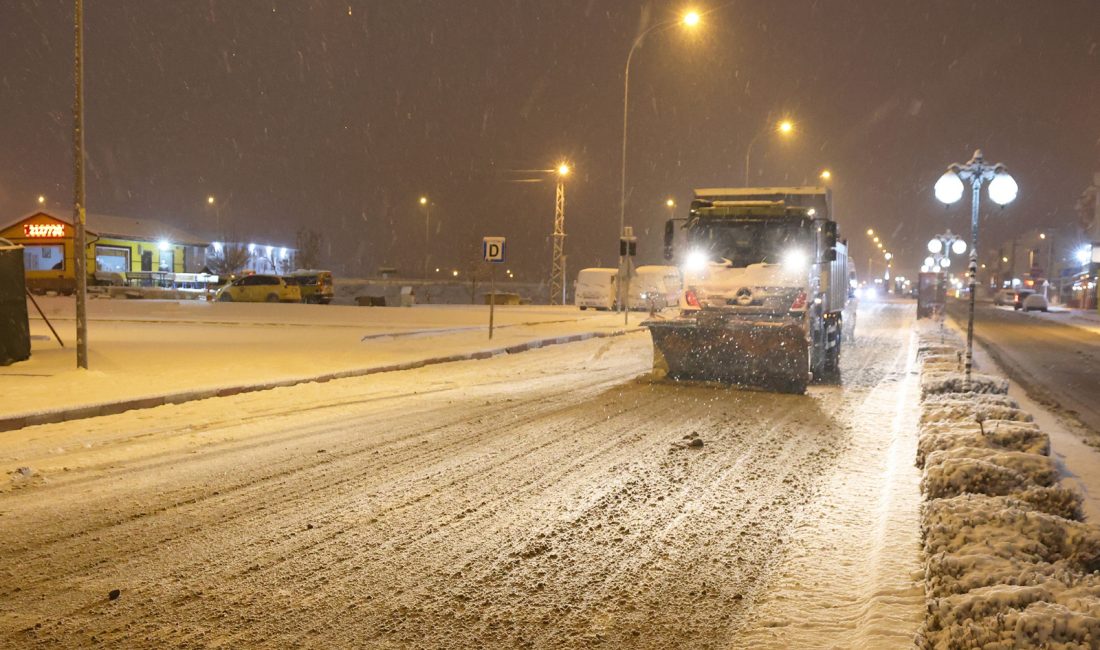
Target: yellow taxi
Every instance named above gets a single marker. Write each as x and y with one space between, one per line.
259 288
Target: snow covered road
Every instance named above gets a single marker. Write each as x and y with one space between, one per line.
550 499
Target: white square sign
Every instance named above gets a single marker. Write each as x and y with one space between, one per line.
492 249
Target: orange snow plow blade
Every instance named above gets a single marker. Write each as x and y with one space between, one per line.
764 354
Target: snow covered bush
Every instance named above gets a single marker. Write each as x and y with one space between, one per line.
955 382
1008 563
998 434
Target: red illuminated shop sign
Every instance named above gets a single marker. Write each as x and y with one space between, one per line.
43 230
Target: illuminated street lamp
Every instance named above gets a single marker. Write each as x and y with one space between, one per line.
784 128
41 199
426 205
826 175
870 232
689 20
949 189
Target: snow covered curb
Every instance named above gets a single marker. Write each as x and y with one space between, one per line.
20 420
1008 561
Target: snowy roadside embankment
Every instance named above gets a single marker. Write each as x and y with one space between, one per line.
1008 561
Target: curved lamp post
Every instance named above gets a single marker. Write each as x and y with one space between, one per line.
690 20
949 189
784 127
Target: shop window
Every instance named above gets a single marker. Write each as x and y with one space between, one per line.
112 259
167 259
44 257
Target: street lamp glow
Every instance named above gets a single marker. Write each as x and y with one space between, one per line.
880 246
454 273
1084 254
945 262
41 199
1042 235
670 203
875 240
1003 188
870 232
785 127
935 246
691 19
889 256
958 247
563 169
929 262
163 245
210 200
423 200
826 175
949 188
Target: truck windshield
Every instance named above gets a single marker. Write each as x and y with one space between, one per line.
749 241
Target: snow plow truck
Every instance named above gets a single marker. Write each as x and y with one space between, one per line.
765 285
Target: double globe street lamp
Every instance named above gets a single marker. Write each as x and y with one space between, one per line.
941 247
1002 191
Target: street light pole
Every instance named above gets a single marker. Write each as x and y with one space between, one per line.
949 189
427 204
689 19
80 254
557 263
784 127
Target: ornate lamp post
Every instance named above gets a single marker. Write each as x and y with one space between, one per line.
949 189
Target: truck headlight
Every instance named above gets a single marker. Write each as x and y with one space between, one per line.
794 258
696 261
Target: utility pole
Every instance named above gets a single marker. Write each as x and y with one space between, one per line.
557 263
80 254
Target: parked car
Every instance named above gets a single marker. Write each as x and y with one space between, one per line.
596 288
1004 297
259 288
1035 301
656 286
1020 296
316 285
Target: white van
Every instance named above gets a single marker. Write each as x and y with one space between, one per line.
658 287
596 288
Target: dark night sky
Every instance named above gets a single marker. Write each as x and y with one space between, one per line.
338 115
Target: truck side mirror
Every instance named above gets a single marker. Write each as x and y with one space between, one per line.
670 230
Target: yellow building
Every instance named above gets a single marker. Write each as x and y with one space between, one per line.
118 249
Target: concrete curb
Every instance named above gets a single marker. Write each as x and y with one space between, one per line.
21 420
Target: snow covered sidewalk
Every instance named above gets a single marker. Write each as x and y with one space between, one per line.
147 353
1009 563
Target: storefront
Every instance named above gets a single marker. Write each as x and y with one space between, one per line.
120 250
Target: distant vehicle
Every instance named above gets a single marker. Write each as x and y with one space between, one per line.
1035 302
1019 296
656 286
1004 297
316 285
596 288
259 288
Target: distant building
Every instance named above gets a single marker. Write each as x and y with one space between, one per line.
124 250
116 246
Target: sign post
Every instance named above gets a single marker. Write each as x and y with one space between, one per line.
492 251
628 248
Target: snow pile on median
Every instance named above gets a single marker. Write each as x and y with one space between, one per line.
1008 563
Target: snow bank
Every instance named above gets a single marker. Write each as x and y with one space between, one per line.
1008 563
955 382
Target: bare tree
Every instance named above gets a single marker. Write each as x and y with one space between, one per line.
309 249
230 260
